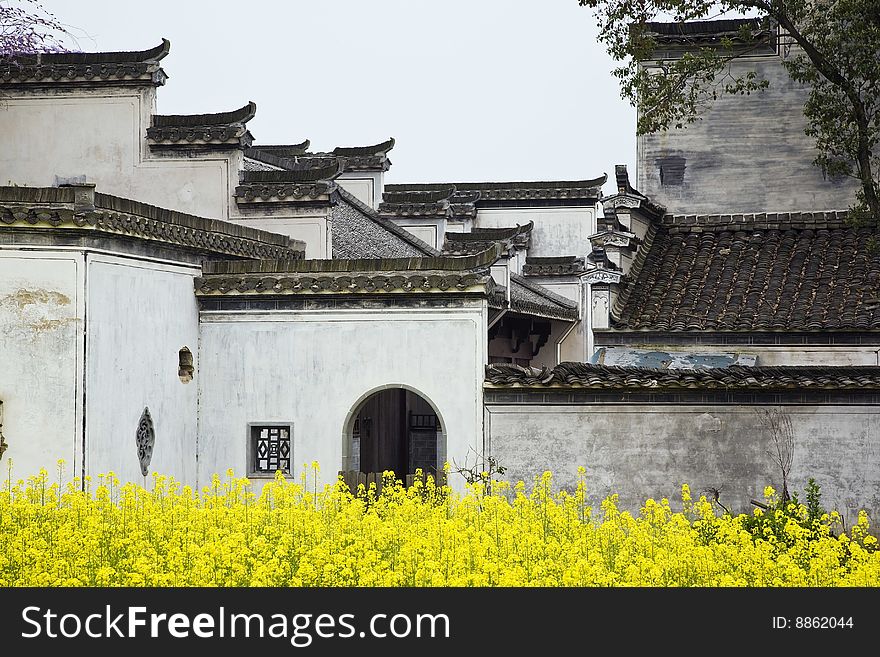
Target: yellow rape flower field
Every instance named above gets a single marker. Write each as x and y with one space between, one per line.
297 534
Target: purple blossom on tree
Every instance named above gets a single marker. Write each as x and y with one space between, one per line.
26 27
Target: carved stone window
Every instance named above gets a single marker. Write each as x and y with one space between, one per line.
270 448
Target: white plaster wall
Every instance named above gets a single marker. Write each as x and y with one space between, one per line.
363 186
641 451
430 230
557 231
428 234
41 310
102 135
836 356
577 345
568 289
139 315
311 229
314 367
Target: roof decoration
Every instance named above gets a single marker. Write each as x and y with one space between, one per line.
432 263
362 151
79 210
358 231
710 33
616 241
463 204
735 377
760 272
588 190
94 68
439 274
626 197
554 266
353 158
221 130
278 152
305 182
417 203
529 298
479 239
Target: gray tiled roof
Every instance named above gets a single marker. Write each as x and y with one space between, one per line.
359 232
256 165
224 128
417 203
92 68
370 276
57 209
352 158
479 239
361 151
307 181
736 377
705 32
275 153
757 272
514 191
554 265
529 298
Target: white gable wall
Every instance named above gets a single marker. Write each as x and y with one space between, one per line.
101 135
365 186
557 232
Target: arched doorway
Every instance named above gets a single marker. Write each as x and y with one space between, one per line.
395 429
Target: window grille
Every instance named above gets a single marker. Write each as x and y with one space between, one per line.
270 449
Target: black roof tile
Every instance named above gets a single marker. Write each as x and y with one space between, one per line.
220 129
722 273
241 115
513 191
92 68
735 377
358 151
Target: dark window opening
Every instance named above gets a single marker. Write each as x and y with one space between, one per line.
185 368
671 170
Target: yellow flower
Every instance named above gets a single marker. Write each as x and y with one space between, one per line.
297 533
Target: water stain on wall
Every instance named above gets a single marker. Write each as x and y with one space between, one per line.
38 309
23 297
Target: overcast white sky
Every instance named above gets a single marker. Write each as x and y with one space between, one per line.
470 89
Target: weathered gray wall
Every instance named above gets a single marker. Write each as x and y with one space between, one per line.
746 154
641 451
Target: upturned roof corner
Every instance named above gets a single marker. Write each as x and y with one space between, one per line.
61 69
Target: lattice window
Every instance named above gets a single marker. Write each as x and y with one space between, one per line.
271 449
